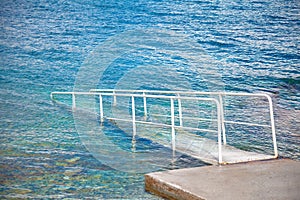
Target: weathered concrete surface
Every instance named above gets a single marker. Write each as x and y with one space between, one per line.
273 179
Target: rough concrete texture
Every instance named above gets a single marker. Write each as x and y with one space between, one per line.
273 179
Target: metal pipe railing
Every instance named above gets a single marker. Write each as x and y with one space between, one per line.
220 96
177 95
145 96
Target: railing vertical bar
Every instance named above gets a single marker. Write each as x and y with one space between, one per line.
173 124
115 98
219 132
101 108
133 117
273 126
179 110
145 104
222 118
73 101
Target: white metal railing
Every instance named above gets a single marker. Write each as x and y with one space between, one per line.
214 97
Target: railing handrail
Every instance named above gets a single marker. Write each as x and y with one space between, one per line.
181 92
180 95
115 93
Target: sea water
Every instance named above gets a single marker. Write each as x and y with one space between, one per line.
45 44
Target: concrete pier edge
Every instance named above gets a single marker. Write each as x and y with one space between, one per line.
271 179
166 190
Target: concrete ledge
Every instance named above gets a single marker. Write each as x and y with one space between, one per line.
167 190
274 179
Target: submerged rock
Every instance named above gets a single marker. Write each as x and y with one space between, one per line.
73 160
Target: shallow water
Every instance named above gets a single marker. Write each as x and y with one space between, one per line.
254 47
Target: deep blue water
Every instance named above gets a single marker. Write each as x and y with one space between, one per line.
45 44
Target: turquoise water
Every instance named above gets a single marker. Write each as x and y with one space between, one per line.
45 44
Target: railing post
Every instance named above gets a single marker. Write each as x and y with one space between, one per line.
272 126
219 132
173 124
133 117
179 110
145 105
222 118
115 98
101 108
73 101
